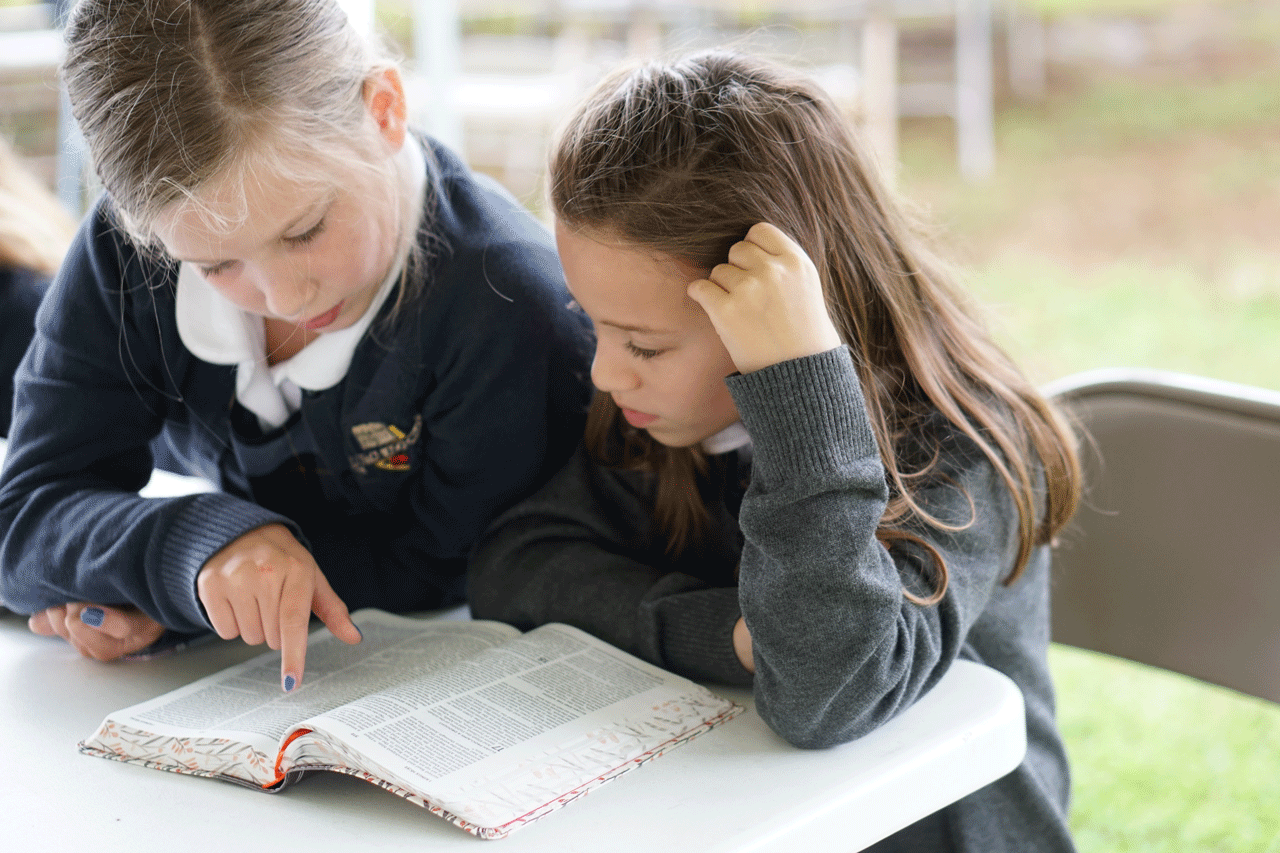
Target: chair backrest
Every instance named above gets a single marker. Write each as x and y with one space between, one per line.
1173 559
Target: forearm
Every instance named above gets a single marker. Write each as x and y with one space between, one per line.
838 648
583 551
65 543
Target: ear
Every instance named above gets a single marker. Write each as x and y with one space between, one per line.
384 97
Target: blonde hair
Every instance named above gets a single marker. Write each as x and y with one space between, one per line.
177 96
35 230
684 156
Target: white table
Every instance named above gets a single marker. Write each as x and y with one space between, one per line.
737 788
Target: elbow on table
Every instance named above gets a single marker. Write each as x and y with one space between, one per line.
815 713
813 727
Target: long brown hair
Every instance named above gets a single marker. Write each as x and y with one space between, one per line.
684 156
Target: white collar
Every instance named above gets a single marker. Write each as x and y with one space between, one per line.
732 437
218 332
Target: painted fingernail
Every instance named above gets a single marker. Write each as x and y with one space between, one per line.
361 633
289 683
93 616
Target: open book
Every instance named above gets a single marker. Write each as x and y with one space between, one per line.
485 726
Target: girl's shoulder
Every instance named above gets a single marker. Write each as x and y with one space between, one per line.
485 258
471 213
105 265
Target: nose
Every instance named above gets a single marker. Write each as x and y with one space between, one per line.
287 290
611 371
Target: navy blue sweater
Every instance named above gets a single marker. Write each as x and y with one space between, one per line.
461 404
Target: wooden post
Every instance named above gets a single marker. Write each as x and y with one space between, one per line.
975 110
880 85
644 31
1026 52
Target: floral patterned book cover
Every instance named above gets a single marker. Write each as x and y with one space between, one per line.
482 725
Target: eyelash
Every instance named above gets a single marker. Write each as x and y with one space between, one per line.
310 235
301 240
214 270
640 352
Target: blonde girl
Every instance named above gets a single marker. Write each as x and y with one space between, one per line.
807 467
361 344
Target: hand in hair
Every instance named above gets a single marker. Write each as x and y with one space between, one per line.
97 631
766 303
263 587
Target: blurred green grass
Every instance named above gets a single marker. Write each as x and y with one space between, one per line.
1056 321
1132 220
1069 8
1162 763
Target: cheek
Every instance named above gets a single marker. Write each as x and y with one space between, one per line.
705 389
720 405
368 248
720 401
239 293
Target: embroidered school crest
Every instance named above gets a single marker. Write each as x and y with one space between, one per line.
384 446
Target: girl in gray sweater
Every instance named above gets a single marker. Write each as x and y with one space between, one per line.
807 468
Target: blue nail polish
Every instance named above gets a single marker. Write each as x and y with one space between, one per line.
289 682
361 633
93 616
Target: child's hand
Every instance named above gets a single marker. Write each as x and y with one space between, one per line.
97 631
766 302
264 586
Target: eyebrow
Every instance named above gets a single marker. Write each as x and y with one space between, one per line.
323 205
628 327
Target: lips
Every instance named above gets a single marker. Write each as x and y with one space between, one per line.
322 320
639 420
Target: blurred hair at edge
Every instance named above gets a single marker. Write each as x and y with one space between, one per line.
35 230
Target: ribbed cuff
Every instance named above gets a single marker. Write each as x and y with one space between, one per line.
697 636
206 525
805 416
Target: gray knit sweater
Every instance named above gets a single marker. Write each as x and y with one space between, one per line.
838 649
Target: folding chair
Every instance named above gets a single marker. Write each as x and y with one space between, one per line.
1173 559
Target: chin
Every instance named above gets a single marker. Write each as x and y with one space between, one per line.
669 440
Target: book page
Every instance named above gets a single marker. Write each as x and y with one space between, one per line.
519 729
231 723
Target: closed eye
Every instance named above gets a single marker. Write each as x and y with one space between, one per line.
216 268
641 352
307 236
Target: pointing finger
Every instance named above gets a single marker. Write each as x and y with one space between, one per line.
294 620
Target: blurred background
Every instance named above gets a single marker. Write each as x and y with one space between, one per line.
1105 173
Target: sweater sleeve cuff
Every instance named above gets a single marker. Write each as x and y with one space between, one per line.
805 416
697 636
206 525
